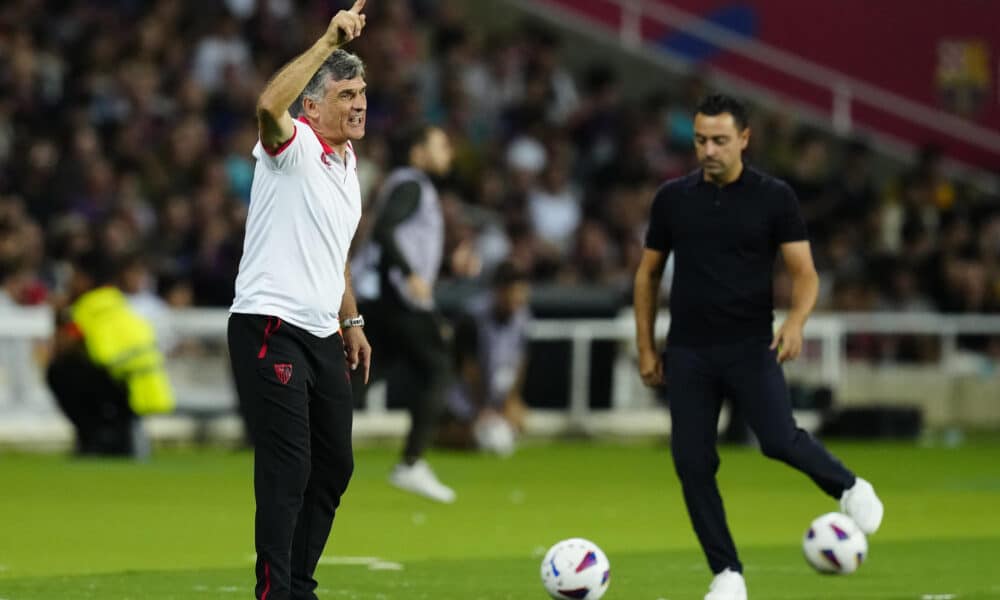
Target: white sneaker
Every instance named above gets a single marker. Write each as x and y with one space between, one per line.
727 585
420 479
861 504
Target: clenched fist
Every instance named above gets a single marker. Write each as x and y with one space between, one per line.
346 25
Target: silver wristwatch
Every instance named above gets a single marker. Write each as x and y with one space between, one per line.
349 322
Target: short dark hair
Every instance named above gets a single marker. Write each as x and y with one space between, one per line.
718 104
96 265
404 139
508 273
341 65
130 260
9 267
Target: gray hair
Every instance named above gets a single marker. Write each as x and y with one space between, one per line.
339 66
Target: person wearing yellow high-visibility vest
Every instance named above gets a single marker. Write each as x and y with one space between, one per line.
106 371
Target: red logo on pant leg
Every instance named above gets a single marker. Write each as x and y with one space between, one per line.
283 371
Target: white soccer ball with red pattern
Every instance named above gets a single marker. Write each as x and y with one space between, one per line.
576 569
834 544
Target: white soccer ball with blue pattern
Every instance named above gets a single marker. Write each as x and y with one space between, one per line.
834 544
576 569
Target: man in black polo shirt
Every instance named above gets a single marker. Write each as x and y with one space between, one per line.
725 224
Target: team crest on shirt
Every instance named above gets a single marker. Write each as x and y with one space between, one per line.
283 371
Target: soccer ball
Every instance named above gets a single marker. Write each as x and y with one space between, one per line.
575 569
834 544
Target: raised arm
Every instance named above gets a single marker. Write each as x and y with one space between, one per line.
273 121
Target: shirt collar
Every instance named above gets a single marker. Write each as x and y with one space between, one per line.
327 149
349 156
744 178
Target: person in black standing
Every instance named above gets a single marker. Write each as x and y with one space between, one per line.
725 224
406 251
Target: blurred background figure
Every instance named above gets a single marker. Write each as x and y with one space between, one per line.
106 370
16 362
136 281
486 409
406 249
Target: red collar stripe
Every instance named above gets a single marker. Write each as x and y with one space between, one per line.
282 147
326 147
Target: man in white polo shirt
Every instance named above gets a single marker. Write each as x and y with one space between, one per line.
293 299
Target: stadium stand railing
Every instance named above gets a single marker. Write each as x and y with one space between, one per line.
957 389
844 91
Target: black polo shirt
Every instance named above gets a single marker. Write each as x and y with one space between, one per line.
724 241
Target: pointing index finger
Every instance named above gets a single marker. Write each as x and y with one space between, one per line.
359 5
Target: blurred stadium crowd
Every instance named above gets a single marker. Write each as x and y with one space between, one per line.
128 125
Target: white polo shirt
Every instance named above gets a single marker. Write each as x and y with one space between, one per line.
305 205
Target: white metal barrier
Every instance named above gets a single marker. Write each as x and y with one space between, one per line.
202 379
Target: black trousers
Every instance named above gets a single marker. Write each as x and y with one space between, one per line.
411 355
749 375
296 390
95 404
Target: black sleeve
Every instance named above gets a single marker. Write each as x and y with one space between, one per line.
787 222
402 202
658 235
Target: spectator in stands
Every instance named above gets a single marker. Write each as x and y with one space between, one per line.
554 207
222 51
855 188
137 283
15 278
20 285
16 361
485 406
543 47
106 371
133 119
594 255
809 177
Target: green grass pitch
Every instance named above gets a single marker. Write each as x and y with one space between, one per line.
179 527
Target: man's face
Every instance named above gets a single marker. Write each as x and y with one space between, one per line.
719 143
134 279
437 152
79 284
511 298
340 115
